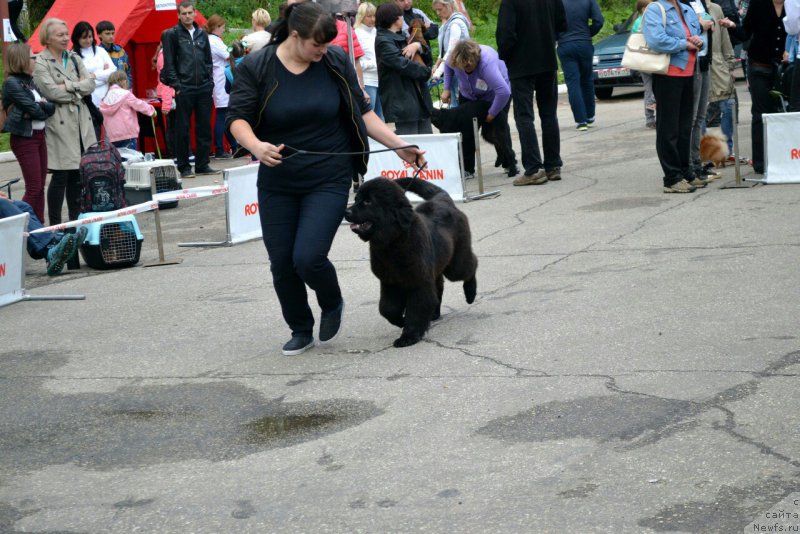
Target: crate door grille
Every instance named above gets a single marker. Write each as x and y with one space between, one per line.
165 177
118 242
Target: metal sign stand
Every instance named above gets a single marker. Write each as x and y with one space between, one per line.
738 183
479 167
157 211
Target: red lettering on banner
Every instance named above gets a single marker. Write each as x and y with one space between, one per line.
2 269
394 175
426 174
795 154
251 209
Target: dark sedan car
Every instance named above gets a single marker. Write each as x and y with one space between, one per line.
608 70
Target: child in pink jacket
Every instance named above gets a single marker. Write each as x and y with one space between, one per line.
119 108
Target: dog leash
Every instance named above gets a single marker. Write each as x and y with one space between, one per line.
298 151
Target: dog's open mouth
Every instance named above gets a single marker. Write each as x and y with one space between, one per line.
361 227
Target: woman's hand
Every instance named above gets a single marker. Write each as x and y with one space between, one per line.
727 23
694 43
412 49
412 155
445 98
268 154
489 118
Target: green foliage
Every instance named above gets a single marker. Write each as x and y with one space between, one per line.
614 12
237 13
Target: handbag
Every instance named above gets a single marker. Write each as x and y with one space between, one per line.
639 56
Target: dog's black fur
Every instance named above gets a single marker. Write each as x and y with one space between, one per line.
459 119
413 250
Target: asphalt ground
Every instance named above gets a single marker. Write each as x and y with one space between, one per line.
630 365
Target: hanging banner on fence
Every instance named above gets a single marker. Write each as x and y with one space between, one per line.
195 192
104 216
244 223
12 259
781 148
442 152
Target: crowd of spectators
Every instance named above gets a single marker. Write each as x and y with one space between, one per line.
78 89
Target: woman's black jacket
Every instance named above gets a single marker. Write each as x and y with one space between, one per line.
18 95
256 81
403 92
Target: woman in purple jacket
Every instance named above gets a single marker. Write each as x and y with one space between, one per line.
482 80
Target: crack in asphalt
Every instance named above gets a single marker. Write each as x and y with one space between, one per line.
518 215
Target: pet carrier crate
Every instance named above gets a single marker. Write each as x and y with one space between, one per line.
139 178
113 244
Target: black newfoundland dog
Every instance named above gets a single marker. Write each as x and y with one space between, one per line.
413 250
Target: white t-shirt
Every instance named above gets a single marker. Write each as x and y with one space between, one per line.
369 62
219 59
99 63
257 40
37 125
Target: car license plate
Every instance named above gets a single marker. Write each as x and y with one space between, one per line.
614 73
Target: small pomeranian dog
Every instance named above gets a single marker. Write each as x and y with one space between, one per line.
714 148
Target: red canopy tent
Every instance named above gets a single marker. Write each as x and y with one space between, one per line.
138 24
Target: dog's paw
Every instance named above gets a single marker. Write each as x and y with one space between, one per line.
406 341
470 290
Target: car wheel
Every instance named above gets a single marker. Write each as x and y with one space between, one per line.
603 93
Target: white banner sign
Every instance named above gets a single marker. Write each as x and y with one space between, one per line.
166 5
195 192
782 148
244 222
8 33
442 152
12 264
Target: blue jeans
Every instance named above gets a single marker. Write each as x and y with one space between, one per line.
127 143
374 100
219 131
453 92
576 62
37 243
298 231
726 120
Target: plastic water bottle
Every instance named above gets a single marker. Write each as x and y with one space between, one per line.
149 156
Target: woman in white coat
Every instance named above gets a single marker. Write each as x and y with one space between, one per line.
215 27
97 62
62 79
366 31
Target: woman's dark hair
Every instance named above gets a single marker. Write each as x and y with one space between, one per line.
387 14
79 31
310 20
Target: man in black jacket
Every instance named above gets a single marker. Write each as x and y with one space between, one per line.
526 41
187 69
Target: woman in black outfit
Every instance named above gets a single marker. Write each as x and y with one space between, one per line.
764 25
299 92
27 111
404 96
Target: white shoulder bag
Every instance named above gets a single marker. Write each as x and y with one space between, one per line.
639 56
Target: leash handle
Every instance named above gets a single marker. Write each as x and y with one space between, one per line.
155 135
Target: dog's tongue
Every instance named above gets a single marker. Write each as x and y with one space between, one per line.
354 226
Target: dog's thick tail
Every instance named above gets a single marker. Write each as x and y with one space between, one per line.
421 188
